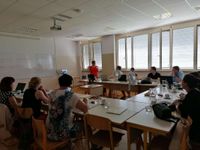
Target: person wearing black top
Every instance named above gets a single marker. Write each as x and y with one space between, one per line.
153 73
34 95
6 96
190 107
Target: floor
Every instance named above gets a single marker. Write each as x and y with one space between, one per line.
82 145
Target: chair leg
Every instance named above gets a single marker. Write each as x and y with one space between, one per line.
139 143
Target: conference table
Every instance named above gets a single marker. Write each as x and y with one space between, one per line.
146 121
117 111
122 86
132 113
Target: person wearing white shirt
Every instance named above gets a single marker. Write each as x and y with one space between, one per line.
132 77
118 72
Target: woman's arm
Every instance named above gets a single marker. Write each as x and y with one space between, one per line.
42 95
12 102
82 106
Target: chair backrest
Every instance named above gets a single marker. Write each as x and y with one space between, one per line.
180 139
39 132
99 123
24 113
5 117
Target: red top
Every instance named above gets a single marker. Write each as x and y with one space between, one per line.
94 70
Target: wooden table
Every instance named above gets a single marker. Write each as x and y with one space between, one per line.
93 89
148 123
132 109
122 86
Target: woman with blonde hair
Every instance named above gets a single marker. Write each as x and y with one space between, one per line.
34 95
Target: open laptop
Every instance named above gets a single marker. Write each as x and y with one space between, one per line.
116 110
169 79
20 87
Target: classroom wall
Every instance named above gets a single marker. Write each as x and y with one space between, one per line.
66 56
108 54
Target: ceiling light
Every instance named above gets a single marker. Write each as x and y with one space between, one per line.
64 16
163 16
77 10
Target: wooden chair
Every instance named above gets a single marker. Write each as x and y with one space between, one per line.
24 113
103 135
179 140
40 137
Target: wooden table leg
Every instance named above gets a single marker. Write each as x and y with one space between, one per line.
145 140
129 137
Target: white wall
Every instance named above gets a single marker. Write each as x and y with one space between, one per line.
65 55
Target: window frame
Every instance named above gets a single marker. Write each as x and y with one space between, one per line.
170 29
91 53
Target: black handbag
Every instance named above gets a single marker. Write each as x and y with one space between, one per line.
163 111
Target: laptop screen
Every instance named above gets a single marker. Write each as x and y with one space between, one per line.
169 79
20 87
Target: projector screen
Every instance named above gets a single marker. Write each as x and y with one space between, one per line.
22 57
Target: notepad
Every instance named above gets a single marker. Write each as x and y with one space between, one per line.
116 110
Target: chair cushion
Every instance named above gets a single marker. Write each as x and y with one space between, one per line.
102 138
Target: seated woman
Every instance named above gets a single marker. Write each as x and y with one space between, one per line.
34 95
6 95
190 106
63 101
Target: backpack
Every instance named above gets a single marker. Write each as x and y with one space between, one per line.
163 111
57 109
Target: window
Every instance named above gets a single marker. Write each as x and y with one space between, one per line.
129 52
97 54
155 50
183 48
121 53
85 56
198 49
91 52
165 50
140 51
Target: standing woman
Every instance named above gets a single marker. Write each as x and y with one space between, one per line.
6 95
34 95
93 69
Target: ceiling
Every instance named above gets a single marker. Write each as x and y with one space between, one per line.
85 19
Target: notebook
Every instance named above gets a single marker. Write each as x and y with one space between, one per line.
116 110
20 87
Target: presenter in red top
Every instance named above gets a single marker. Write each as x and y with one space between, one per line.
94 69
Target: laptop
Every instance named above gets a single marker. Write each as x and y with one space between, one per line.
116 110
169 79
20 87
122 78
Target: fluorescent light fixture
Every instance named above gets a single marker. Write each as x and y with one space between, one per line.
163 16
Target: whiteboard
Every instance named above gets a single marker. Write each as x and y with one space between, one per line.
26 57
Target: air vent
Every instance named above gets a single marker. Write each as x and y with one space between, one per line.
27 29
197 8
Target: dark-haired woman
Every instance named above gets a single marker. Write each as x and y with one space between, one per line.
6 95
59 121
190 107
